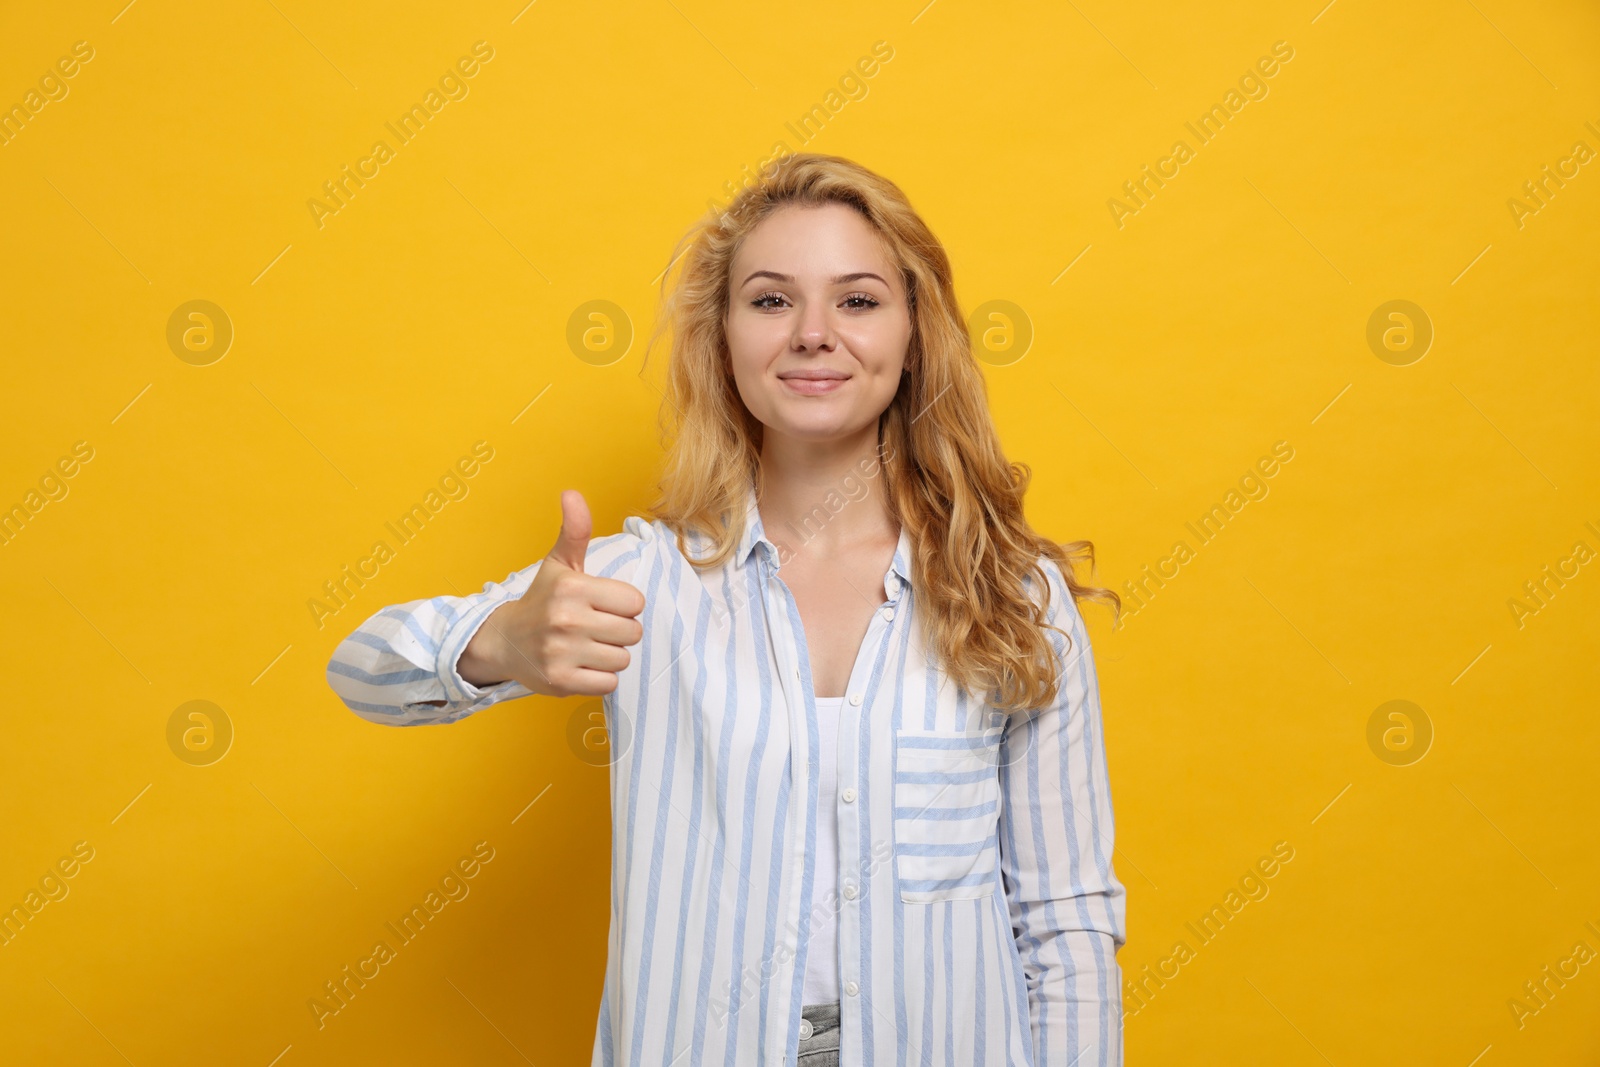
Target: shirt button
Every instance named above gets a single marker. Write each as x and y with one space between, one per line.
888 613
856 700
852 988
849 891
805 1029
849 795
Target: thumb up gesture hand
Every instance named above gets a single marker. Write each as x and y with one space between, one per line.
568 634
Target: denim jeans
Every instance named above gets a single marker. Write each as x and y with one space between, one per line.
821 1047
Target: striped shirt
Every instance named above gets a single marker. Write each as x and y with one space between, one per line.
979 914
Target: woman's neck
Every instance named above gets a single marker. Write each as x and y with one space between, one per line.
823 497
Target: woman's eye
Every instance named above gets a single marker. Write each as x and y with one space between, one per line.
760 300
869 302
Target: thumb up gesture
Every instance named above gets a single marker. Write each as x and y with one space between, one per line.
568 634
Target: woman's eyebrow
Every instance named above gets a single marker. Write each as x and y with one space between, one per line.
842 279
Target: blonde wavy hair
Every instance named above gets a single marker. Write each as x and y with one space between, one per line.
946 480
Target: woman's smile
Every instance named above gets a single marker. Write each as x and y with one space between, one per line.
813 385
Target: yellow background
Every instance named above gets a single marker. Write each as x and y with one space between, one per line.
432 310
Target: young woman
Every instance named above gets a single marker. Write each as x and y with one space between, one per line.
860 807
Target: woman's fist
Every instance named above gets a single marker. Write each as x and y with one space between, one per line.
568 634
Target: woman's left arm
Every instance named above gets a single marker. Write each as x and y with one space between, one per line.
1056 831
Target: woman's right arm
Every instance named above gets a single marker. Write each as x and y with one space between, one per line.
403 665
400 667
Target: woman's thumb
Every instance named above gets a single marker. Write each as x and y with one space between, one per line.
572 544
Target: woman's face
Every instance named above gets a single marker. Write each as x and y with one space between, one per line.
817 323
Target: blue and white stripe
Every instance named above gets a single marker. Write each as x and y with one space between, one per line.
957 824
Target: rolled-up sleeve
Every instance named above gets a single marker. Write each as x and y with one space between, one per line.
399 667
1056 831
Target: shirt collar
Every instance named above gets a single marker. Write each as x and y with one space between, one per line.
755 538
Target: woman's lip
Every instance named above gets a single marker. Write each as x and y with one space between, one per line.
813 386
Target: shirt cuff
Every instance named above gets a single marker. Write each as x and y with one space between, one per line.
457 689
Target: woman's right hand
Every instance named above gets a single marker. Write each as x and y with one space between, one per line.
567 635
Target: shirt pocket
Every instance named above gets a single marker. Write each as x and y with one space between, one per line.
946 810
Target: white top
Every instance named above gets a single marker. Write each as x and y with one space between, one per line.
822 950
